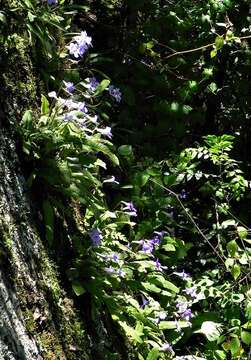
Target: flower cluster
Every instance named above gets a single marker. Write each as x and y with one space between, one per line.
148 246
115 92
80 44
183 311
96 237
92 85
69 86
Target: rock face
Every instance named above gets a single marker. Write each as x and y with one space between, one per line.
37 319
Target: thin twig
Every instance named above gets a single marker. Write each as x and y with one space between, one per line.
190 218
176 53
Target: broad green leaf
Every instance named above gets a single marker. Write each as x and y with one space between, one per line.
153 354
232 248
242 232
211 330
225 224
101 87
246 337
219 42
125 150
220 355
78 289
27 120
235 346
213 53
168 325
45 106
236 271
168 247
131 332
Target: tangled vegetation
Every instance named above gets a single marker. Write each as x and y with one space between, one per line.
142 144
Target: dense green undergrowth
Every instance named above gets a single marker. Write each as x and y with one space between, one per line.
154 167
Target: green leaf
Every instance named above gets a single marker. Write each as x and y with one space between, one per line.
236 271
213 53
219 355
242 232
96 145
168 247
31 16
101 87
232 248
78 289
213 87
131 332
219 42
27 119
235 346
211 330
246 337
225 224
45 106
168 325
125 150
3 18
153 354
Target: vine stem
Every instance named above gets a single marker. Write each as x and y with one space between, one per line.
189 216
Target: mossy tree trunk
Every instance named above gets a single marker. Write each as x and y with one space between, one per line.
38 319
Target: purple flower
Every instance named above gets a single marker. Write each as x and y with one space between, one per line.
109 270
80 45
115 92
161 316
145 302
69 117
74 50
187 314
183 275
158 265
96 237
183 311
51 2
182 306
69 86
70 104
93 83
183 195
82 107
167 348
106 132
190 292
121 273
147 246
132 211
115 257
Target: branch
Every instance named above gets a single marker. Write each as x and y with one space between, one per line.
176 53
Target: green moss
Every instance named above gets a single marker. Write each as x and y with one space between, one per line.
31 325
52 349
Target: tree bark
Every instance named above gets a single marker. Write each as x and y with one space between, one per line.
38 320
